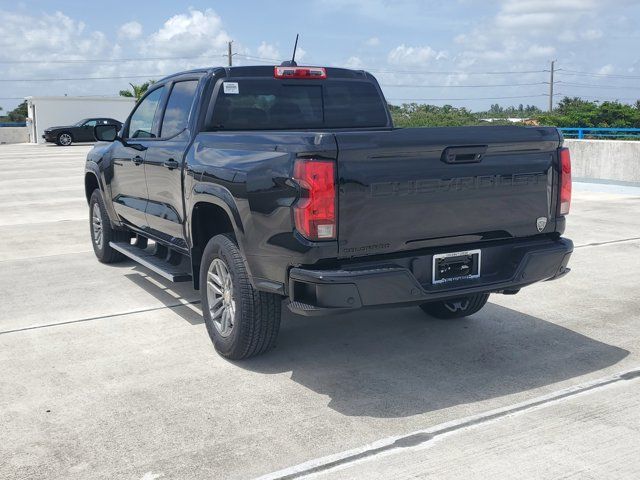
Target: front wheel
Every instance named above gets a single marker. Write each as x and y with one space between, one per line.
64 139
456 307
102 232
242 322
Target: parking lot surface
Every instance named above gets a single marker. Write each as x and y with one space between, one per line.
106 371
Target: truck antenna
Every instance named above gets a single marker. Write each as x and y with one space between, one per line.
292 63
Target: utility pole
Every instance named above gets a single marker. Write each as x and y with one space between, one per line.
553 64
230 53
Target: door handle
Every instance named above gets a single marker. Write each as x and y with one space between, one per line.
171 164
137 160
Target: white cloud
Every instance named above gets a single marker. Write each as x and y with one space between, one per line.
130 30
301 53
193 33
407 55
47 37
354 62
266 50
607 69
372 42
541 51
592 34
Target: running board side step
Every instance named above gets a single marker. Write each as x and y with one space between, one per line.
175 273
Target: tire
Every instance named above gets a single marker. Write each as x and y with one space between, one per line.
64 139
456 307
102 232
252 320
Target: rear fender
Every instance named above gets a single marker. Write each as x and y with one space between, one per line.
218 196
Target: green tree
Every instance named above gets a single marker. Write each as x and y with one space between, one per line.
576 112
137 91
18 114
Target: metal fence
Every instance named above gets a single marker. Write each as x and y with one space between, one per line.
601 133
13 124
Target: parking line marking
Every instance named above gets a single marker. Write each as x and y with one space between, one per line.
420 438
102 317
597 244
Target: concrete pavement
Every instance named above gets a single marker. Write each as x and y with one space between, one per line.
107 371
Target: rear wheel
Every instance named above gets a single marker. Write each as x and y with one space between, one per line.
241 321
102 232
456 307
64 139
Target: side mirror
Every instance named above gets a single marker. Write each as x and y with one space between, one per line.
105 133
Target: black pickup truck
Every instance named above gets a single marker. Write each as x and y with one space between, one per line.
263 184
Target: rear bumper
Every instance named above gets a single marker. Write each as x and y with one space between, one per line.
506 267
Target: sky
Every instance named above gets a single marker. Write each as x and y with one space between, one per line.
470 53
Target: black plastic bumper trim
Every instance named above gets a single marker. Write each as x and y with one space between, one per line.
317 292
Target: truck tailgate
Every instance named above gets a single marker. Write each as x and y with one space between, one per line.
397 191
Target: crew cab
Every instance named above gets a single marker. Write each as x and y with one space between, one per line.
284 185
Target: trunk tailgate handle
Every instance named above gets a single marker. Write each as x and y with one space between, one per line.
467 154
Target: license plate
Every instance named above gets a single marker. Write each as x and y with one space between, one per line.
455 266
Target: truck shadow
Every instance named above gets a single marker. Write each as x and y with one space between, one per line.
170 294
398 363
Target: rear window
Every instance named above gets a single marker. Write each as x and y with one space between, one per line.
281 105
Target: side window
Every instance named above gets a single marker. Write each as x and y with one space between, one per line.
141 122
176 115
90 123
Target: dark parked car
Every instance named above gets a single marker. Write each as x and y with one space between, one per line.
78 132
263 184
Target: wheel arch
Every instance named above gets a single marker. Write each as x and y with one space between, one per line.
91 183
209 217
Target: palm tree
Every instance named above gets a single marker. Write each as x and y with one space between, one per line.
137 91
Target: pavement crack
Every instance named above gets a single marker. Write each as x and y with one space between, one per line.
597 244
101 317
419 438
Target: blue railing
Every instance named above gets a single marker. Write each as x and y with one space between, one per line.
13 124
594 132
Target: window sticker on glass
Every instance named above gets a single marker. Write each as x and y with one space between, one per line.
231 87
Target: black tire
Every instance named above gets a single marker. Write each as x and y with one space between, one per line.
256 315
456 307
64 139
103 251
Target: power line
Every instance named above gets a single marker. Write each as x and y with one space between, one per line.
399 85
110 60
81 78
423 72
460 99
552 71
590 85
562 71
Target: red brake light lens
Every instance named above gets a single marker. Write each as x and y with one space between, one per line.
565 180
315 211
311 73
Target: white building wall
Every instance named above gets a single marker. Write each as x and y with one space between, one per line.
57 111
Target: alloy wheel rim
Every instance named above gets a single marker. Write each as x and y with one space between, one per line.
222 304
96 225
65 139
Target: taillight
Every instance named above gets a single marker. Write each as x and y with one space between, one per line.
311 73
565 180
315 211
